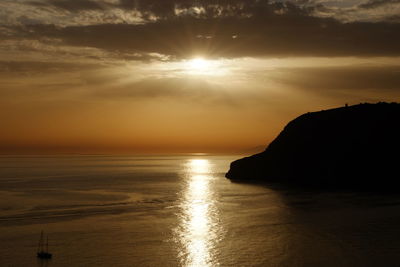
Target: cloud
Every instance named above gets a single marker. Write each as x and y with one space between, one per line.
353 79
178 28
153 87
270 36
63 13
266 81
73 6
29 80
377 3
37 67
357 11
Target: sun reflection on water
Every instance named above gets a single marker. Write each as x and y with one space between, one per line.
199 226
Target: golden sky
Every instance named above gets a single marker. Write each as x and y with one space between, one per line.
162 76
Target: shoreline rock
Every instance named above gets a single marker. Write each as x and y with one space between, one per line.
348 147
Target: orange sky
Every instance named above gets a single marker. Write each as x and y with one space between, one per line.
113 77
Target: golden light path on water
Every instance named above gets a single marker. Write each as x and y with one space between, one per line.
199 227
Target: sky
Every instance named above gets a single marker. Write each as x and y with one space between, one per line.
180 76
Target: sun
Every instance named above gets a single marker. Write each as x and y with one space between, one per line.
200 66
197 67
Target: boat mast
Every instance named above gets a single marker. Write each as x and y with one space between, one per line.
40 245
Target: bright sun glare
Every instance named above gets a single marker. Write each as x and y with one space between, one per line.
201 66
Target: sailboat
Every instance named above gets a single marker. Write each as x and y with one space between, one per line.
43 249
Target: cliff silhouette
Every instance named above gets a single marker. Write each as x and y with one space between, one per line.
347 147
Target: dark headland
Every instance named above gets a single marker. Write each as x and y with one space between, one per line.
352 147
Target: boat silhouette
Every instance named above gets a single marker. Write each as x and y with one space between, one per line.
43 249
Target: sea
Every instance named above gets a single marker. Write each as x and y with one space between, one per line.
180 210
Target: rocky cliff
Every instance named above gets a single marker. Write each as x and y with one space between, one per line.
355 146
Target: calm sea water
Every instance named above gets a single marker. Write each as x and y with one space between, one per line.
181 211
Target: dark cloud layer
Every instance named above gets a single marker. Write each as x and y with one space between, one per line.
73 6
377 3
352 78
218 28
166 9
232 37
